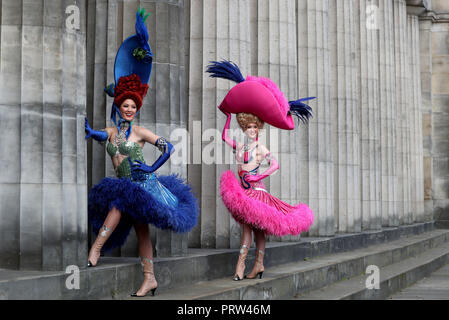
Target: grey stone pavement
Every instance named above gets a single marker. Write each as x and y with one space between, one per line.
433 287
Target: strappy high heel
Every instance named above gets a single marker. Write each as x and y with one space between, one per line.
149 279
241 263
258 266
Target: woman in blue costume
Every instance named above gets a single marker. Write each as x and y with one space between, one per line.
136 197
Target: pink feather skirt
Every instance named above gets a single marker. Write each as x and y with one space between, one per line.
251 205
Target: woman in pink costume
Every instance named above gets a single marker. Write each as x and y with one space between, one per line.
256 100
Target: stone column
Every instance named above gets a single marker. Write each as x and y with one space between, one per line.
440 112
387 123
43 187
218 30
163 111
369 115
345 98
315 159
417 184
425 46
275 57
403 130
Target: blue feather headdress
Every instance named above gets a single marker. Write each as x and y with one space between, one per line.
133 57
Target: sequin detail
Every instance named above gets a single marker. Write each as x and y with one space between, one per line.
127 148
151 184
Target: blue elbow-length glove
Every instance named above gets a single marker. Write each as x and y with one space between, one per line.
96 135
165 147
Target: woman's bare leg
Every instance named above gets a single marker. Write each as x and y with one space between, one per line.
260 252
143 237
146 257
110 223
247 235
260 239
244 246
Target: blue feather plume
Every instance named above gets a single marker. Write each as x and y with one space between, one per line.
144 51
226 70
141 29
300 109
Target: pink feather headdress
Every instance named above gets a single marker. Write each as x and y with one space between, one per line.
259 96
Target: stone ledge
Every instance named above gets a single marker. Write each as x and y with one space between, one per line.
417 7
435 17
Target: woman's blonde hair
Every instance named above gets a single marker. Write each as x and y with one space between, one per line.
244 119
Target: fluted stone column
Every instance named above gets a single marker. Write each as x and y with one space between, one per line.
417 183
275 58
345 115
402 112
218 30
410 114
164 108
418 170
425 37
43 187
399 116
369 116
387 123
315 78
439 150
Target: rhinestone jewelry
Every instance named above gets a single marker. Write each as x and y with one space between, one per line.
161 143
121 136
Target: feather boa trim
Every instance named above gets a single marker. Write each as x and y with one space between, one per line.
138 206
246 209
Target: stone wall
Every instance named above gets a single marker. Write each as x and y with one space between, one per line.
43 180
434 30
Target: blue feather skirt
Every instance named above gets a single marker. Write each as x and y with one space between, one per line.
164 201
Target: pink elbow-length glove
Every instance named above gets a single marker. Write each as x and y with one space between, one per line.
273 167
225 135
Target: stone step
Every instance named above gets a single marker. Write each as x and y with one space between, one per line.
393 278
116 278
287 280
433 287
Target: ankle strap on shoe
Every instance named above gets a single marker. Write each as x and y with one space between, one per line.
243 247
104 233
147 268
146 259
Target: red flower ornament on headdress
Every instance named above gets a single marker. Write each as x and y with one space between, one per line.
130 87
